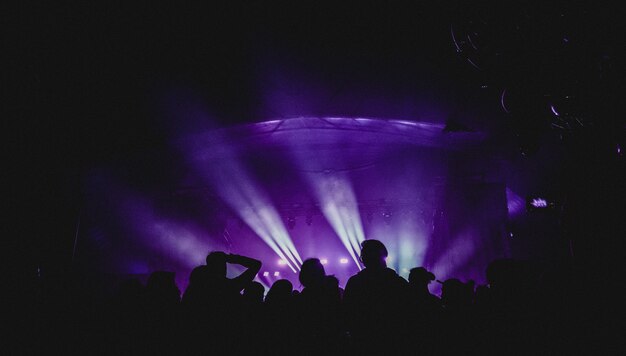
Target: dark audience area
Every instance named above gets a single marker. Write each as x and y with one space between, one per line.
522 310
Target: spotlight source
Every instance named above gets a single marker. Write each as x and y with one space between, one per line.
266 274
291 222
343 261
276 274
282 262
324 261
387 217
539 203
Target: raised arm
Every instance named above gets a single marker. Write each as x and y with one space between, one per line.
253 267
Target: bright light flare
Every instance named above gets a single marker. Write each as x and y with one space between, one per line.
340 208
539 203
343 261
221 166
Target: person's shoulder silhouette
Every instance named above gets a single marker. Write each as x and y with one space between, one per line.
375 300
253 293
280 293
419 279
376 274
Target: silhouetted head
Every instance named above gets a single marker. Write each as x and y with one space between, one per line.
455 293
312 273
331 281
331 287
373 254
130 286
254 292
280 292
216 264
420 275
199 275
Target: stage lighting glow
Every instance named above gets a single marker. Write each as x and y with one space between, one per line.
406 239
539 203
266 274
324 261
515 203
339 180
291 222
460 251
276 274
339 206
239 190
181 242
343 261
387 217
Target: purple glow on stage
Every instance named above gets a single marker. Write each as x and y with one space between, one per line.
144 237
406 239
456 255
515 203
539 203
334 170
221 166
340 209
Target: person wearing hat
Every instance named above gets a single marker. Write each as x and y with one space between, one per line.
419 279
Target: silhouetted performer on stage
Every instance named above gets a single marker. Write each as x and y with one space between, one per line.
375 300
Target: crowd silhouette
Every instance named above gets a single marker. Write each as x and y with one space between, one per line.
519 311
